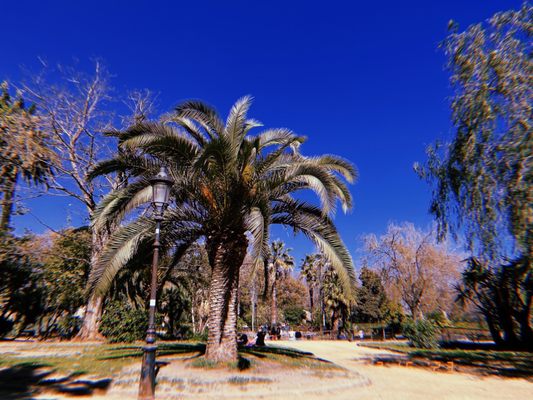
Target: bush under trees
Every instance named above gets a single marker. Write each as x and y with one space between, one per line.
422 333
121 322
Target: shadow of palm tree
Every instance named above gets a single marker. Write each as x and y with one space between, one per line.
24 380
501 363
163 349
263 351
196 350
19 381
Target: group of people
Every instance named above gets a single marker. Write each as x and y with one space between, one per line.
273 331
259 340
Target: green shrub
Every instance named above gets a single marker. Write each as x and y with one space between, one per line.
198 337
439 318
421 333
68 326
123 323
294 315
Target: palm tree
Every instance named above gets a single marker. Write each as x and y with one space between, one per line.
335 299
314 269
309 272
229 184
25 151
280 264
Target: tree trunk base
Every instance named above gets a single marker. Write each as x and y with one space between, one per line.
226 257
222 353
91 321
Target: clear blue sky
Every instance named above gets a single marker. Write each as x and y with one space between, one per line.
364 80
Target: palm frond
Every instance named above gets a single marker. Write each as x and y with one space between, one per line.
118 203
277 136
236 122
203 114
119 250
191 128
337 164
134 164
312 223
277 158
258 224
163 140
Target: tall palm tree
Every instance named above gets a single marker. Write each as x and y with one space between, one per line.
314 269
229 184
280 264
25 151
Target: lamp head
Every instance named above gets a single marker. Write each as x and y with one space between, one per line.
161 184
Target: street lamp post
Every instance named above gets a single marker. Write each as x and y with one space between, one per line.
161 184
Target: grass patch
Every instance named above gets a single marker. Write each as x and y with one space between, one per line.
289 358
201 362
259 357
105 360
100 360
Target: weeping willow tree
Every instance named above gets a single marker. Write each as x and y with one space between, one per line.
231 186
482 178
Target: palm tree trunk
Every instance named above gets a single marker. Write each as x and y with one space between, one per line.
253 301
274 305
8 197
193 320
524 320
322 312
311 303
335 323
226 254
494 331
91 321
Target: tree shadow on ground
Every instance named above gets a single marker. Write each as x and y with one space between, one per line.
501 363
24 380
478 358
197 350
264 351
163 349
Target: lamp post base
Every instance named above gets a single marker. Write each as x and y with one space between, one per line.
147 382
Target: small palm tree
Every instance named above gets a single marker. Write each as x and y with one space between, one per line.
229 185
335 299
25 151
280 264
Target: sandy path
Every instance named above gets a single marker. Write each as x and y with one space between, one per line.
393 382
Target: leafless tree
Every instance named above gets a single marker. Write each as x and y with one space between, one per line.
141 104
417 271
73 107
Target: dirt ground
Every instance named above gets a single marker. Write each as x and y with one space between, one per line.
359 380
